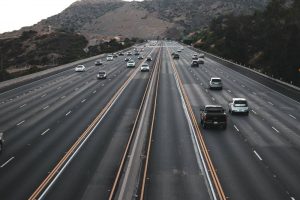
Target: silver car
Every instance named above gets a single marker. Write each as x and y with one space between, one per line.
215 83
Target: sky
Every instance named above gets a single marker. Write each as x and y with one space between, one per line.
15 14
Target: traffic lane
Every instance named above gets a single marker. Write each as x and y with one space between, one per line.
259 105
96 164
233 159
38 103
264 138
103 86
272 97
59 138
47 84
173 172
37 161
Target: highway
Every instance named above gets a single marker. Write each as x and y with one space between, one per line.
71 136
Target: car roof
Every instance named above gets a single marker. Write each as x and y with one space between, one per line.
239 99
102 71
213 106
215 78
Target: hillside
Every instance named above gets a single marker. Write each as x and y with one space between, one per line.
268 41
147 19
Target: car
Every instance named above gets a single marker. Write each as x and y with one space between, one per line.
140 57
101 75
215 83
110 57
131 63
1 142
172 53
80 68
238 105
129 53
201 55
149 58
194 63
195 57
175 56
201 61
136 53
145 67
115 55
121 54
213 115
98 62
127 59
178 50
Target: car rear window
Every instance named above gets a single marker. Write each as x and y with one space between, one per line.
216 80
240 103
215 110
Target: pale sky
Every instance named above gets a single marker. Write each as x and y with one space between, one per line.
15 14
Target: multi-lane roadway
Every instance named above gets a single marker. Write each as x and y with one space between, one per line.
71 136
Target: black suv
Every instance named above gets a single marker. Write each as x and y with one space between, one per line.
175 56
195 63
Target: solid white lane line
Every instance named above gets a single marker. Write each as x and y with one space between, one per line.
45 131
257 155
270 103
22 106
83 100
9 160
236 128
292 116
275 129
46 107
68 113
253 112
18 124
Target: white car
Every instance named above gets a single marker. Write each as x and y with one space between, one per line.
145 67
131 63
98 62
215 83
101 75
238 105
149 58
201 55
80 68
110 57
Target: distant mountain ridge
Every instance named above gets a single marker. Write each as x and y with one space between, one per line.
147 19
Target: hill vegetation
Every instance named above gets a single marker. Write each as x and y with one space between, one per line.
266 40
32 52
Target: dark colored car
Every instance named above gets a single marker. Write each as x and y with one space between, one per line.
213 115
195 63
175 56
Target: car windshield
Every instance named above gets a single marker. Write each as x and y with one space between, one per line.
102 73
240 103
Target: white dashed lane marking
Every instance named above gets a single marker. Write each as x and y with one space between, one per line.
18 124
8 161
45 131
257 155
275 129
68 113
292 116
22 105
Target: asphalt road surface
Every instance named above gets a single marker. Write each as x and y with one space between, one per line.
65 134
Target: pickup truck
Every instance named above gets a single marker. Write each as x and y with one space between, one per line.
213 115
1 142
